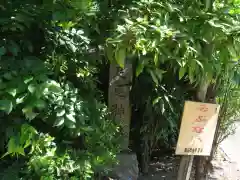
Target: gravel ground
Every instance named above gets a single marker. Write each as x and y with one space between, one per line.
166 169
224 168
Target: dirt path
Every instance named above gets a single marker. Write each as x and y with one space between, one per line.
231 146
226 162
163 168
167 168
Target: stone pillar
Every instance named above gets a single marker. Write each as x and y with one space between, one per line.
120 80
118 98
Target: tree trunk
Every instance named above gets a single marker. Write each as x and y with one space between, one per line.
211 96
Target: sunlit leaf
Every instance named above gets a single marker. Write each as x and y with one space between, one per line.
120 55
182 72
155 101
54 87
27 79
156 59
139 69
60 112
29 114
199 63
32 88
40 104
71 118
12 92
21 99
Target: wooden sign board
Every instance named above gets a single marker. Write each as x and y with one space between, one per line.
197 130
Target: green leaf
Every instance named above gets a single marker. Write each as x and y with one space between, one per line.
2 51
20 150
21 99
6 105
159 74
182 71
109 53
28 112
154 78
120 56
87 129
59 121
191 75
169 103
139 69
71 118
54 87
8 76
162 108
128 21
59 16
156 100
12 92
27 79
80 5
32 88
156 59
39 103
199 63
70 124
60 112
12 146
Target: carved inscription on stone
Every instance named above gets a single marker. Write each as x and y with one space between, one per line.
118 97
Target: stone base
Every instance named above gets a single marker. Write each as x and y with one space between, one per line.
127 168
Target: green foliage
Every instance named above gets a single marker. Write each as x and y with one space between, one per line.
228 98
183 34
53 123
160 107
195 41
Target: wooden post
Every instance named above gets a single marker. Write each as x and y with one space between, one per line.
118 97
186 163
185 168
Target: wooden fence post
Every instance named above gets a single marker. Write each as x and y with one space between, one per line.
185 168
186 162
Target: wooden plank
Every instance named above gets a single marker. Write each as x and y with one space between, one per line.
185 168
186 163
197 130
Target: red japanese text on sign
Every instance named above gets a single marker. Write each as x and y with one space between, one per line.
198 125
203 108
201 119
197 129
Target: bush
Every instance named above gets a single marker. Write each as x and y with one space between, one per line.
53 121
